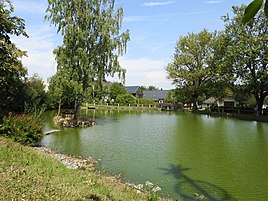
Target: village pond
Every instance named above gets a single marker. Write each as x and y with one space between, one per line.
187 155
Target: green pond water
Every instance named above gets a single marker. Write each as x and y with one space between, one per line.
220 158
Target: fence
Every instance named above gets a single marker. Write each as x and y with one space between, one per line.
135 106
237 110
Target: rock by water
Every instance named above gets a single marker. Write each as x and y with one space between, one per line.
72 123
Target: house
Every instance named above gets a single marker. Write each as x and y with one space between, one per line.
209 102
135 91
228 102
156 95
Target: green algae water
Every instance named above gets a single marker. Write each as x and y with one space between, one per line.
189 156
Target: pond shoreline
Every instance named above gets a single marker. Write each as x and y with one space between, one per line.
244 117
71 162
33 173
261 118
88 163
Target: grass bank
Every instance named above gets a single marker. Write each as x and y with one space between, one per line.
30 174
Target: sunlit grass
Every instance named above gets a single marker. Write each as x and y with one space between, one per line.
29 174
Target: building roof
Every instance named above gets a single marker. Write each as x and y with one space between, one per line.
132 89
210 101
155 94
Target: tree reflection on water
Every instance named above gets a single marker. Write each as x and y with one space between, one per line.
191 189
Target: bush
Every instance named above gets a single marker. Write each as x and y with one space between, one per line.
125 99
145 101
26 129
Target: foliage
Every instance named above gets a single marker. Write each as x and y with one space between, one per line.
253 8
12 73
219 89
96 93
125 99
199 63
241 94
250 102
251 40
145 101
26 129
92 41
152 197
35 95
62 90
117 89
181 95
150 88
172 97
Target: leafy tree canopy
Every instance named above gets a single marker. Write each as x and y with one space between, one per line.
150 88
248 52
35 95
198 63
117 89
62 91
92 41
12 71
125 99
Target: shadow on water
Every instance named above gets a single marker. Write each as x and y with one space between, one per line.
191 189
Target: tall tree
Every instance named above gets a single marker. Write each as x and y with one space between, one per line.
249 52
62 91
198 62
92 41
35 95
12 71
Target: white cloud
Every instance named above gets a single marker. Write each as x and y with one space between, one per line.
153 18
145 71
213 2
162 3
163 17
135 18
39 47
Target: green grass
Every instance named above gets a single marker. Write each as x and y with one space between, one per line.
29 174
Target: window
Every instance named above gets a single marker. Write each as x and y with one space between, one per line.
229 104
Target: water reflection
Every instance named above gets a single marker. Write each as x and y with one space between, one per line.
191 189
216 155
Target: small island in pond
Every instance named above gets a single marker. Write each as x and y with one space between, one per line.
66 119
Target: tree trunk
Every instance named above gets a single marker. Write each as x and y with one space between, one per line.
195 103
76 108
259 106
259 99
59 108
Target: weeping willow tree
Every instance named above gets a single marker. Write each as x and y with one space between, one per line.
92 41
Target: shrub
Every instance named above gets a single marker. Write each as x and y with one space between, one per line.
125 99
145 101
26 129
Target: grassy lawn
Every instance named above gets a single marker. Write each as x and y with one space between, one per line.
29 174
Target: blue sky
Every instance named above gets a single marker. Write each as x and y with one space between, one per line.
155 26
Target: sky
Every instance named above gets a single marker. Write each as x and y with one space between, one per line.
154 25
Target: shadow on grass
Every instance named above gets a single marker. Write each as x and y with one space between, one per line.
93 198
190 189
